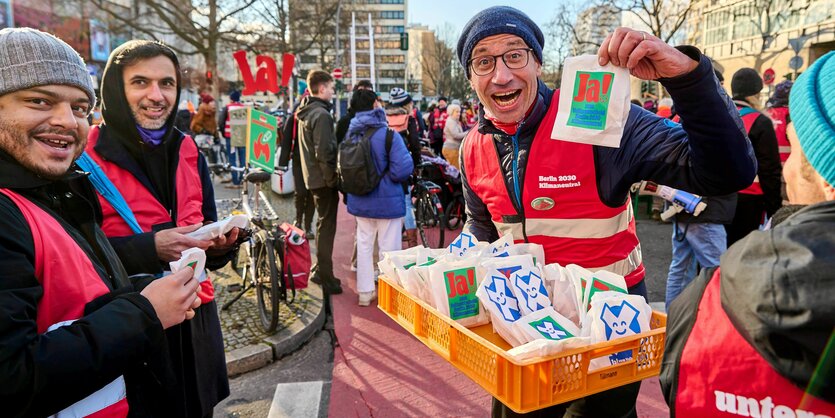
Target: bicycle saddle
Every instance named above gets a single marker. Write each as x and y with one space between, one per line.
257 177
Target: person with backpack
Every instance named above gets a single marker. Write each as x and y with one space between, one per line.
437 122
373 164
401 119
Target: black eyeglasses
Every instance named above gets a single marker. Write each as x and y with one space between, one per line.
513 59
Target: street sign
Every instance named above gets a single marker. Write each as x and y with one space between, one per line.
768 77
796 62
337 73
797 43
261 140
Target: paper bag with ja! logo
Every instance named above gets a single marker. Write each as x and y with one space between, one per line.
593 102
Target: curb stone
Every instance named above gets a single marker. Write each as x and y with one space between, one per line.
285 341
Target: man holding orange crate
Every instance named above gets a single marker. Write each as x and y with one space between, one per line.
580 212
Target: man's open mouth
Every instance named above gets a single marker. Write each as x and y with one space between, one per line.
154 110
507 98
55 143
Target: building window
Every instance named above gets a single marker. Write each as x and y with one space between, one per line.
391 14
391 1
392 74
717 27
392 59
389 29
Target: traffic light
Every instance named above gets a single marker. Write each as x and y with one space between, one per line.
648 88
209 76
404 41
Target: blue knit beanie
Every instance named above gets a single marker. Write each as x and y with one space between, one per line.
494 21
812 107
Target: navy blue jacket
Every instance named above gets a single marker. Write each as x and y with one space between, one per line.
708 154
387 200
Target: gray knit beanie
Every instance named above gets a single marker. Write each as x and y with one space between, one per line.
30 58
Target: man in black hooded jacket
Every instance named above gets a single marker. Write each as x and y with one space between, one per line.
166 183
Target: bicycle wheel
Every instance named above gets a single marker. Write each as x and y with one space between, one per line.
265 274
454 213
429 217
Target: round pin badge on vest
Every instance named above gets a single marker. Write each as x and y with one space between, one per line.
542 203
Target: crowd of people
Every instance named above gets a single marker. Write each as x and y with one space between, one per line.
94 324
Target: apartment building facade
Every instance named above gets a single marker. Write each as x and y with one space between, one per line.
387 20
762 34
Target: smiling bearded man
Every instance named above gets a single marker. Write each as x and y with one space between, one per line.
510 165
165 183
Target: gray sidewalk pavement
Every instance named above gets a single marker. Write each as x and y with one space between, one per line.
247 346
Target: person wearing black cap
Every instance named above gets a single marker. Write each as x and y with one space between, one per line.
763 197
508 163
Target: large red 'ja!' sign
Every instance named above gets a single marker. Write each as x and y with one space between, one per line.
266 76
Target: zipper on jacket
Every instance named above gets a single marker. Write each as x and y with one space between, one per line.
514 169
517 191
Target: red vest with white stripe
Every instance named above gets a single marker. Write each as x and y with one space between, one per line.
748 121
227 127
722 375
577 228
58 257
780 117
147 209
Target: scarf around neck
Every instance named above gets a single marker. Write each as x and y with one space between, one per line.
151 137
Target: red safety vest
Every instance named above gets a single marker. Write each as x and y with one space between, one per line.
227 127
562 207
748 118
147 209
780 117
721 374
439 119
58 257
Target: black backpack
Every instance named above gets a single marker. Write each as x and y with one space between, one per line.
355 164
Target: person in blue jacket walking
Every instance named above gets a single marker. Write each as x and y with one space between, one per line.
379 213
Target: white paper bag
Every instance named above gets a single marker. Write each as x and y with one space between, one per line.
546 324
496 295
506 265
461 244
593 103
416 281
535 250
499 247
453 286
393 266
615 315
529 288
563 295
545 348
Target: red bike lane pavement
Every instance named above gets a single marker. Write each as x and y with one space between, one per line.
380 370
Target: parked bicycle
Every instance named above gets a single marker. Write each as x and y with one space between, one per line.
256 262
429 212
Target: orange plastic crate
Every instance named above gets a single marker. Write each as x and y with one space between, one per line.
532 384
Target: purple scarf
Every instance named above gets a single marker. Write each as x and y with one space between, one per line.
151 137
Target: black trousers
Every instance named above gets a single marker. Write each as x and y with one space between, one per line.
303 198
327 203
750 212
437 148
616 403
